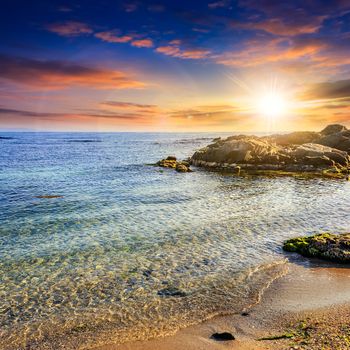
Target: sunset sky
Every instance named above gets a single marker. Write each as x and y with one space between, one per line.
174 65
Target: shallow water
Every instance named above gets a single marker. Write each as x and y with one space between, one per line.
86 268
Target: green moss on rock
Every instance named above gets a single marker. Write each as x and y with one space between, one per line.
324 246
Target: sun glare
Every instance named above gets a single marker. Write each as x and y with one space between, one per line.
272 105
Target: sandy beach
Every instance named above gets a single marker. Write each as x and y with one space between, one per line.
308 308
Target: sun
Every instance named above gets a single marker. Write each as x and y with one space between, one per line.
272 105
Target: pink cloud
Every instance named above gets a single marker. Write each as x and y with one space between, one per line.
278 26
70 28
62 74
142 43
111 37
175 51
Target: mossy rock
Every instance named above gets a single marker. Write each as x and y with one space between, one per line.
326 246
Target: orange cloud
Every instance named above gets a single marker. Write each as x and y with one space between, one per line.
137 107
69 28
277 26
256 53
142 43
59 74
111 37
175 51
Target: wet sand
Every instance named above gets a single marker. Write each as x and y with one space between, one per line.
309 306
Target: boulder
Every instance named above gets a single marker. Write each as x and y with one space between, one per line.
324 246
166 163
294 138
236 150
312 151
171 162
324 152
181 168
340 140
333 129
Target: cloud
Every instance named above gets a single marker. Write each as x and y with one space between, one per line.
62 74
205 112
279 50
288 18
142 43
156 8
131 6
218 4
329 90
127 105
137 107
69 28
112 37
64 9
290 27
174 50
50 115
175 42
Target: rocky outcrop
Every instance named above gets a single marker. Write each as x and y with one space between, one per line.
320 155
339 140
324 246
171 162
333 129
296 152
294 138
240 149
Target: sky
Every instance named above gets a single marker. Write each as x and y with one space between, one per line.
218 65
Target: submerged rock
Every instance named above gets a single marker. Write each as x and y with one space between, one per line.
225 336
324 246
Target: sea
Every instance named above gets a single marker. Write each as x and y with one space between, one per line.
98 246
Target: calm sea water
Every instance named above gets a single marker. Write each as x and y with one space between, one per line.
95 265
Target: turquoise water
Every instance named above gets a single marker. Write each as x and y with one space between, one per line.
93 265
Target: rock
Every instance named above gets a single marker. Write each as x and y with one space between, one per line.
235 150
181 168
294 152
313 150
340 140
333 129
171 292
165 163
225 336
171 162
294 138
324 246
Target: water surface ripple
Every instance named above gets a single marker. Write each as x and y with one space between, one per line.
89 267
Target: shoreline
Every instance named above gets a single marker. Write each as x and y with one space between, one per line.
307 307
